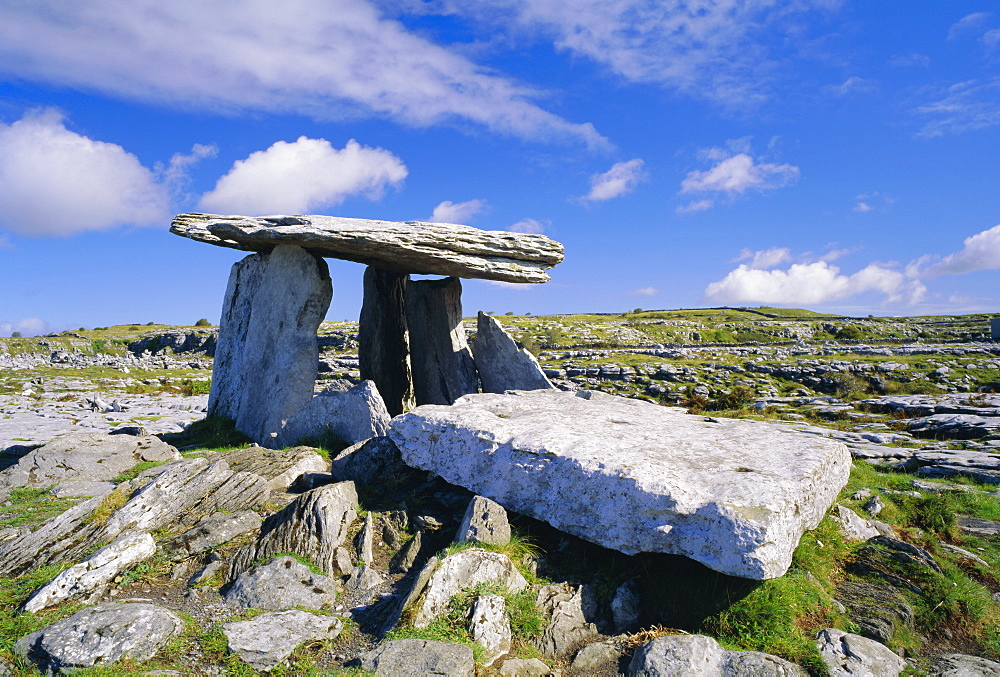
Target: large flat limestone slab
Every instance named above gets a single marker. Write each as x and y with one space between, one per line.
404 247
637 477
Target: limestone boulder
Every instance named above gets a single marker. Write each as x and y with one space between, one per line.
489 626
266 641
633 476
407 247
280 467
701 656
215 529
100 635
963 665
567 625
484 521
501 364
374 461
281 583
848 654
353 415
460 570
400 657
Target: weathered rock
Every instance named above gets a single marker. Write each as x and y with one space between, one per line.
954 426
83 457
688 485
857 656
524 667
484 521
501 364
383 339
460 570
313 526
281 583
963 553
962 665
376 461
415 657
626 607
364 577
567 625
979 526
77 488
443 368
280 467
92 576
100 635
215 529
408 247
853 525
489 626
354 415
701 656
407 556
266 641
877 608
241 491
366 540
595 656
279 357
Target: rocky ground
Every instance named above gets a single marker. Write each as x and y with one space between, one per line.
383 565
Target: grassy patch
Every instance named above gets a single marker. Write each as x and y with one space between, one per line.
212 432
136 470
31 507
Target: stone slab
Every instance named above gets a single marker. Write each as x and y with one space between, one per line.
633 476
405 247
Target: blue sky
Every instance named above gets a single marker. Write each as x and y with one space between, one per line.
840 156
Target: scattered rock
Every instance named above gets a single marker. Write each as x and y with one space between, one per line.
401 657
962 665
701 656
460 570
280 467
213 530
876 607
854 655
375 462
854 526
567 625
485 521
266 641
595 656
281 583
524 667
489 626
353 416
626 608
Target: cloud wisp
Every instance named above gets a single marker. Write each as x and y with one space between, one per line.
963 107
620 180
325 60
457 212
732 175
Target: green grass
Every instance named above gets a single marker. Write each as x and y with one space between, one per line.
212 432
31 507
136 470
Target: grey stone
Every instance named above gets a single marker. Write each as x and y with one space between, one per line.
266 641
375 461
962 665
460 570
524 667
92 577
626 608
873 506
215 529
701 656
354 415
364 577
76 488
854 526
857 656
501 364
241 491
206 572
567 625
383 339
281 583
877 608
280 467
489 626
484 521
419 658
979 526
954 426
443 368
280 355
100 635
313 526
596 656
580 461
407 555
366 541
408 247
963 553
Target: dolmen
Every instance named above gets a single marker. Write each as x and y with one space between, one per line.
411 343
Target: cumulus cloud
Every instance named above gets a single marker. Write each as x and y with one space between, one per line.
55 182
980 252
765 258
619 180
304 176
530 226
734 175
28 326
323 59
810 283
457 212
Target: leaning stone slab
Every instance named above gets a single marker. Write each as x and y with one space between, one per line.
352 415
701 656
501 364
280 467
484 521
567 625
407 247
374 461
100 635
281 583
313 526
637 477
400 657
92 576
266 641
460 570
847 654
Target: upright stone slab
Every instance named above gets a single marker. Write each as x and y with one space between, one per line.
280 357
501 364
443 368
227 371
383 340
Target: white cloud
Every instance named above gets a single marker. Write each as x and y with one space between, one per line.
28 326
723 51
530 226
457 212
322 59
765 258
968 23
963 107
619 180
811 283
854 85
644 291
301 177
55 182
696 206
874 201
737 174
981 252
175 173
911 59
